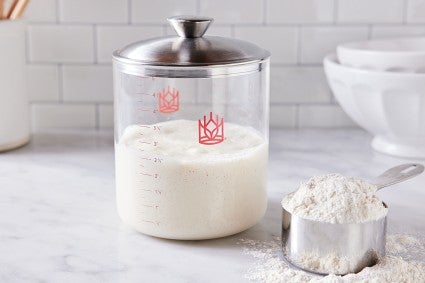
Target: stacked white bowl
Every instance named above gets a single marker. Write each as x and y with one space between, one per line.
381 85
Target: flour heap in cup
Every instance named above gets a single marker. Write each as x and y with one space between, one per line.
334 198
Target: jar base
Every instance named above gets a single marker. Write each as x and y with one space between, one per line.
190 236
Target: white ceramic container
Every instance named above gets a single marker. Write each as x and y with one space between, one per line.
391 55
14 108
391 106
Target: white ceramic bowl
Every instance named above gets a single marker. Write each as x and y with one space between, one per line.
392 55
391 106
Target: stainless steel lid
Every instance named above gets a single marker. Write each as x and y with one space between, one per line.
190 48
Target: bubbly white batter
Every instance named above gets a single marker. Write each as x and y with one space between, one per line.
170 186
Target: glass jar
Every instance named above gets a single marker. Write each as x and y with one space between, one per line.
191 133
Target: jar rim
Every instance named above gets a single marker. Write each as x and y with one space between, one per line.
132 67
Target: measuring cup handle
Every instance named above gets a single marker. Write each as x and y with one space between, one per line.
398 174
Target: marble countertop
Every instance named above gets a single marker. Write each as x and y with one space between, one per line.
58 221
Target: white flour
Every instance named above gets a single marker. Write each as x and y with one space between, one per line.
397 266
335 198
170 186
331 262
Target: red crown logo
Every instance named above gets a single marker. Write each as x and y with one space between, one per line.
211 131
168 100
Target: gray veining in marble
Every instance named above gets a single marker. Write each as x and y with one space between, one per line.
58 221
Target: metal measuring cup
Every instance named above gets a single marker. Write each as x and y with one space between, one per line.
325 248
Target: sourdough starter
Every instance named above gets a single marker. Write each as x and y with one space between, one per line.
170 186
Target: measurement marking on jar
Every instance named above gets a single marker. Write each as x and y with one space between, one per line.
150 221
154 111
155 128
151 206
147 94
155 175
159 192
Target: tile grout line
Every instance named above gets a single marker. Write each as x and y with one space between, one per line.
299 46
71 102
96 117
60 83
198 7
129 16
369 31
157 24
57 12
95 55
54 63
335 13
404 15
297 116
27 47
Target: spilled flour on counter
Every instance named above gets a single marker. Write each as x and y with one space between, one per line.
405 262
335 198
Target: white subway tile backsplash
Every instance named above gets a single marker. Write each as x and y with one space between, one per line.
415 11
87 83
283 116
300 11
317 42
41 11
147 11
370 11
323 116
93 11
280 41
70 43
61 44
63 116
397 31
111 38
233 11
106 116
299 85
42 83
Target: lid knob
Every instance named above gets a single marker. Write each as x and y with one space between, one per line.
190 26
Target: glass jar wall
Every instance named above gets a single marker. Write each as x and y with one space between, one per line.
191 143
